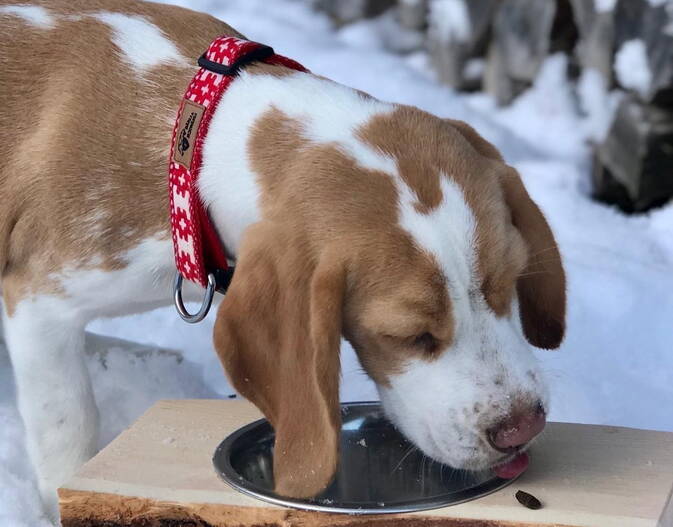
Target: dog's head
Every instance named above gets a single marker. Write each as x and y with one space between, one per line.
417 243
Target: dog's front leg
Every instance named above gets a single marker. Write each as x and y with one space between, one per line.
45 338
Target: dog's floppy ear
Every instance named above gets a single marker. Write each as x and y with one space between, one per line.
541 288
278 333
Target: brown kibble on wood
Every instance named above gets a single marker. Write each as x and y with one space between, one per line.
528 500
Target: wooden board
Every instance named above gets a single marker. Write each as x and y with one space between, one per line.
159 473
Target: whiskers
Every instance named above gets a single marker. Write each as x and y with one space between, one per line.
422 472
532 273
538 256
546 249
410 450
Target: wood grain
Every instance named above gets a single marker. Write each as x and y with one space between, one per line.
91 509
159 473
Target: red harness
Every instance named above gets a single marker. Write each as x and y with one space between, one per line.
198 249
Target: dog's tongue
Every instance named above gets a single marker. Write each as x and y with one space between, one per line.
513 468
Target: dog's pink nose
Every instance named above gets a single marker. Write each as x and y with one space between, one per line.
517 430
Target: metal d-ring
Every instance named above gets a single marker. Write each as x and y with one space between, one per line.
205 304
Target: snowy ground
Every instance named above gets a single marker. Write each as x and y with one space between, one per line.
616 365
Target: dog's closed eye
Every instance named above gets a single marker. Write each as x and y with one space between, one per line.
426 342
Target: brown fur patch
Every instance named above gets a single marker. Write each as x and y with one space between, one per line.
427 148
278 333
86 139
396 291
541 285
327 258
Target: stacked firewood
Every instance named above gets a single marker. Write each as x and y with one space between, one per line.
499 46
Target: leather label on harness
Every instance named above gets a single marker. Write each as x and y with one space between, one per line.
186 133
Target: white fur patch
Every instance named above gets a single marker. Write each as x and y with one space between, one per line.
446 405
145 283
447 232
45 336
142 44
34 15
330 113
46 343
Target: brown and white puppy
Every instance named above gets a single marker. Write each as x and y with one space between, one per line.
405 233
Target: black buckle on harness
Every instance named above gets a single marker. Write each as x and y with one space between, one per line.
223 279
257 54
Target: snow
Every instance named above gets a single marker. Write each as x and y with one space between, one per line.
382 32
449 21
605 5
474 69
529 117
631 66
596 103
616 365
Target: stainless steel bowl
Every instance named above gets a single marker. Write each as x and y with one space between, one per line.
379 470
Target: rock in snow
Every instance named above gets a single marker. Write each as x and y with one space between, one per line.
631 67
637 154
